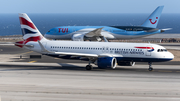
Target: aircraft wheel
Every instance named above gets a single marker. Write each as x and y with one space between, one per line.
150 66
150 69
89 67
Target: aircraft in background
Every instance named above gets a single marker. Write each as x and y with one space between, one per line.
102 54
97 33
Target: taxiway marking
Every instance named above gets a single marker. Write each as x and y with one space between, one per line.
27 52
32 61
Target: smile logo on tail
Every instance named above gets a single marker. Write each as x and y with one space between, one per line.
154 21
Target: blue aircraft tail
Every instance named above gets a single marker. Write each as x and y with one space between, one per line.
153 19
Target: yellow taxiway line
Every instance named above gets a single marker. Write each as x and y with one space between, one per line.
31 61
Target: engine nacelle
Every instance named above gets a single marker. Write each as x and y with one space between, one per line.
78 37
126 63
107 62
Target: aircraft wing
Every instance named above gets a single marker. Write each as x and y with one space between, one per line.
96 32
43 50
76 54
89 34
95 35
87 55
162 30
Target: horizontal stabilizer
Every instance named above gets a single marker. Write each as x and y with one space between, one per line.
163 30
23 45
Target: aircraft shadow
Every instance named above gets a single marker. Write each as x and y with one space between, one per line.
82 68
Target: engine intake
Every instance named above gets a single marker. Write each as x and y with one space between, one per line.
107 62
78 37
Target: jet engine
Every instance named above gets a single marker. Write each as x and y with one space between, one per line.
83 37
107 62
78 37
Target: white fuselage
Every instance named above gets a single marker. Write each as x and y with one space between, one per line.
136 51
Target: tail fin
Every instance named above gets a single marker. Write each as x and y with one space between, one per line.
29 30
153 19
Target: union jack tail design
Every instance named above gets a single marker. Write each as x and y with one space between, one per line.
29 30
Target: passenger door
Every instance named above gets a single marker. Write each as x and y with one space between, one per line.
148 51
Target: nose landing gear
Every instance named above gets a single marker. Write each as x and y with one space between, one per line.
150 66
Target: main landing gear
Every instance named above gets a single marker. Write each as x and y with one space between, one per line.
150 66
89 66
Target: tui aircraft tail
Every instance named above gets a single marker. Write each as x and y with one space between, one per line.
153 19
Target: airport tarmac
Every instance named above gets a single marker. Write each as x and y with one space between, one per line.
52 79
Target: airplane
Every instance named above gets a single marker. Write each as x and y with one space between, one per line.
98 33
103 54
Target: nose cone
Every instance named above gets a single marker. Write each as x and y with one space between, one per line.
169 56
46 35
49 34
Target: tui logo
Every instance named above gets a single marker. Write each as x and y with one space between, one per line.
154 21
63 30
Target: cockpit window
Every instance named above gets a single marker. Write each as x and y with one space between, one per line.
161 50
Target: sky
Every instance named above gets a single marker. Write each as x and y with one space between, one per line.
88 6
